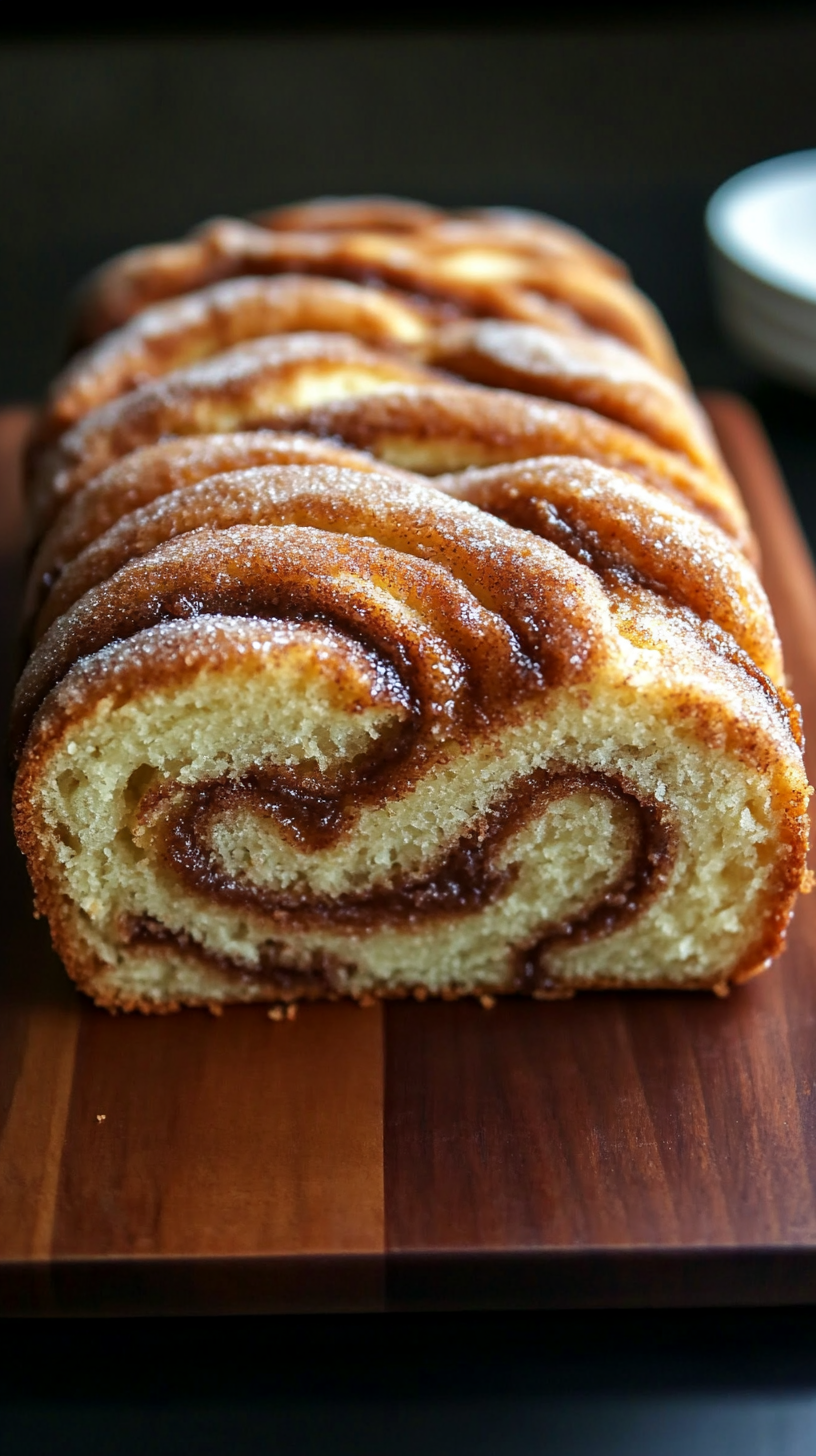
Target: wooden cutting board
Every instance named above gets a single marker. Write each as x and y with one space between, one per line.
613 1150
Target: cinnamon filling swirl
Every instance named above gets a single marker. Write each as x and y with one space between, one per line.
466 878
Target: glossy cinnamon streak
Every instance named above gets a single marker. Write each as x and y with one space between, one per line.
464 880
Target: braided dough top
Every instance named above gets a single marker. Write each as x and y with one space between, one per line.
330 384
483 267
184 330
236 390
553 602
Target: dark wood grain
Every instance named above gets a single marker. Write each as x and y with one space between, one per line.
656 1121
612 1150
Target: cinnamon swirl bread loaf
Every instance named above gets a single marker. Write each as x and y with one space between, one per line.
394 628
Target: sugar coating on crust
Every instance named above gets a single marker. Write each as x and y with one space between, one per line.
238 389
438 429
510 607
153 471
604 519
496 269
592 370
182 331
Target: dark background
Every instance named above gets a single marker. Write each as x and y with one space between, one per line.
623 126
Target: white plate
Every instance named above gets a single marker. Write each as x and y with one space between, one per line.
762 229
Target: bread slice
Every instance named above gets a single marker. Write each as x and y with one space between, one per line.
409 747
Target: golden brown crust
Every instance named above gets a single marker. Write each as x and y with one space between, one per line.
380 214
622 530
627 531
478 268
184 330
549 231
237 390
156 470
576 366
547 613
529 233
266 571
380 399
441 429
593 371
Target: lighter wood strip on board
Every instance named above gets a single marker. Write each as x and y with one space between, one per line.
33 1136
39 1038
225 1136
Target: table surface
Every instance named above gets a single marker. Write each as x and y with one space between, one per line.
614 1150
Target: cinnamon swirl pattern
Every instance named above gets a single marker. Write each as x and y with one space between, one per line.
393 629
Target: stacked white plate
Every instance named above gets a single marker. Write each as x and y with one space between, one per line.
762 229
